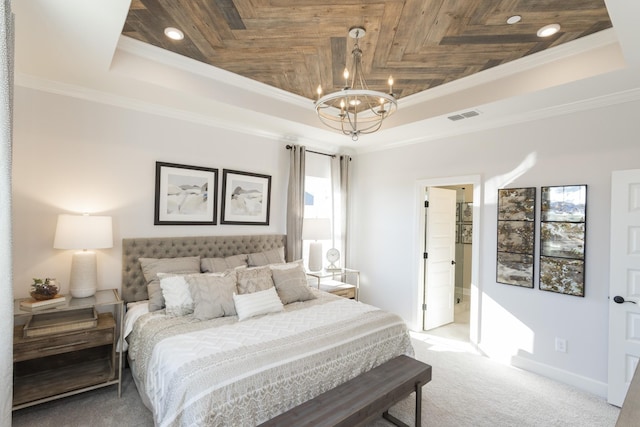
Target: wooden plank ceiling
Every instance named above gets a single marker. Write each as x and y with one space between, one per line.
296 45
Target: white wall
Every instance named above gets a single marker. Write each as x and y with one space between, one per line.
74 156
516 324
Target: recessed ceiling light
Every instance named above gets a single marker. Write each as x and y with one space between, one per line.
514 19
548 30
173 33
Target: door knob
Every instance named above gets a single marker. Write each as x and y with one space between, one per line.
618 299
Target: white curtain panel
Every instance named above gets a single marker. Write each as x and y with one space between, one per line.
340 220
295 201
6 276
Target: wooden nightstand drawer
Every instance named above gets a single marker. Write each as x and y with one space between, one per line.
346 293
338 288
31 348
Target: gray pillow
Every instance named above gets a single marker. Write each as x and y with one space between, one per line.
273 256
291 284
213 294
219 265
152 266
254 279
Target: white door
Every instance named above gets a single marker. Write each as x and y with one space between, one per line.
440 252
624 283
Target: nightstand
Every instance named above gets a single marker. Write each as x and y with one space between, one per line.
337 281
72 352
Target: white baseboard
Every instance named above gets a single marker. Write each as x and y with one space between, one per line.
583 383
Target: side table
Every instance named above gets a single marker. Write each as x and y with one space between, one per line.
71 356
338 278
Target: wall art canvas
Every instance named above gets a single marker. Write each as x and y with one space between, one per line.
562 275
245 198
466 233
517 204
516 236
467 212
515 269
562 239
185 195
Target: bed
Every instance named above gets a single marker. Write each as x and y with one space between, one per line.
242 364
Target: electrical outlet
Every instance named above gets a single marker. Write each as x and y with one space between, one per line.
561 345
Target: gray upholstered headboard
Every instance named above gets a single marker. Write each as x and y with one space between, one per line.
134 286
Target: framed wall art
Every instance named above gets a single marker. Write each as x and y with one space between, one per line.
466 212
516 236
246 198
466 233
563 223
185 195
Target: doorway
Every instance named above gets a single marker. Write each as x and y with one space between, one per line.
465 299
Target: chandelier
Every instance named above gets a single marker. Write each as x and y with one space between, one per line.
355 109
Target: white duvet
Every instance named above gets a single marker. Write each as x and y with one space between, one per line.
224 372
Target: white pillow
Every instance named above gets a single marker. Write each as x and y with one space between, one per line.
256 303
177 297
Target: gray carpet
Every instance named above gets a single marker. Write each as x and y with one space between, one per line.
466 390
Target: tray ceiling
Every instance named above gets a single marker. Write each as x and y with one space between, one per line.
294 46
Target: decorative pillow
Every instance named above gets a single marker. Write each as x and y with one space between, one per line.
213 294
156 300
288 265
152 266
257 303
273 256
177 297
254 279
291 283
219 265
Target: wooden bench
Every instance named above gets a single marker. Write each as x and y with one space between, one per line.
363 398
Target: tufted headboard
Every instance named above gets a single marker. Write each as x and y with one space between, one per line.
134 286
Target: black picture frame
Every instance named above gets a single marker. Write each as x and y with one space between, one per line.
563 226
243 198
185 195
516 236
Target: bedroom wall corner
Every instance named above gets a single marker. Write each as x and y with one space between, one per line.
73 156
517 325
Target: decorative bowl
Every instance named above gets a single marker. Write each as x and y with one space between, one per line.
41 291
41 297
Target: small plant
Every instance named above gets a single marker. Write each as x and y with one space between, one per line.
44 289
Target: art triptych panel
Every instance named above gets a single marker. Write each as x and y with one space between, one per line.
516 236
562 239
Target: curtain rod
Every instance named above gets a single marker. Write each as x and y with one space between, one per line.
289 147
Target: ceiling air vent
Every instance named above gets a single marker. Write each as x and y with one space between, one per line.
465 115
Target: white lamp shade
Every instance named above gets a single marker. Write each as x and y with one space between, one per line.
316 229
83 232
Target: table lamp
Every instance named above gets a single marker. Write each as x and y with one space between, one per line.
83 232
316 229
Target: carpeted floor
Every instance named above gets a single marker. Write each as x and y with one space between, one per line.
466 390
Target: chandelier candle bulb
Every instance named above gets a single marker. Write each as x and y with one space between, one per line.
390 85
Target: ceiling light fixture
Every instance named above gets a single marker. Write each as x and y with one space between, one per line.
355 109
548 30
514 19
173 33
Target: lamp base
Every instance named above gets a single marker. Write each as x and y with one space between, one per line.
84 274
315 256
